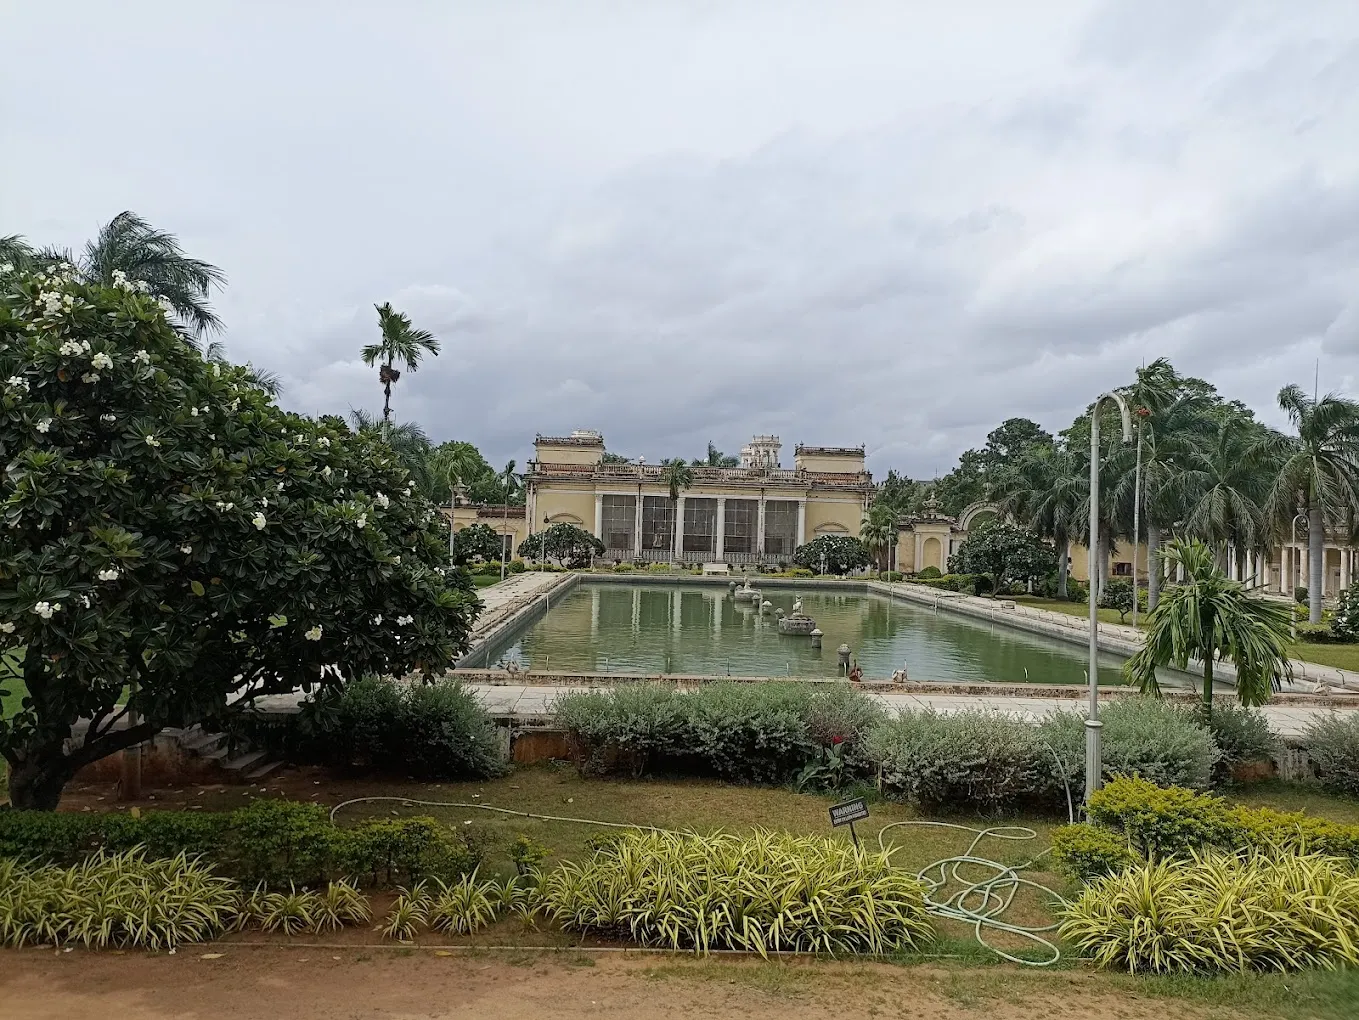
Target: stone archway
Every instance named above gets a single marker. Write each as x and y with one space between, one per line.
979 513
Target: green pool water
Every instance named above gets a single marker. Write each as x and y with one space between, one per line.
634 628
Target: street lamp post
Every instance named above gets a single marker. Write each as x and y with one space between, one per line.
1137 534
1093 764
1293 571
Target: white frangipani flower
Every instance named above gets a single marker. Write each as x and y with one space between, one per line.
259 522
108 574
193 412
143 356
152 441
381 500
6 628
101 361
43 425
46 609
187 550
323 441
402 621
18 382
108 419
314 634
361 522
69 349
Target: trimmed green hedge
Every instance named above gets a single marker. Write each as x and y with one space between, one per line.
1153 822
759 733
272 841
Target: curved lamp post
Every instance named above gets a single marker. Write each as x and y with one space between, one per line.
1093 764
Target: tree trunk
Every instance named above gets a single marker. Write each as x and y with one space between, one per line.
1207 688
36 785
1063 550
1153 566
1316 563
386 403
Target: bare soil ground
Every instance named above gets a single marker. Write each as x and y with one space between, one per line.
270 983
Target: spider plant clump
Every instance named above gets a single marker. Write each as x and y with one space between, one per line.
408 913
464 906
1216 912
341 905
120 900
765 892
290 912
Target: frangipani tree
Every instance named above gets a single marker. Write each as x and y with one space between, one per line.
172 539
1210 617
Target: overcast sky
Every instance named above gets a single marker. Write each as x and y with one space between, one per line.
892 223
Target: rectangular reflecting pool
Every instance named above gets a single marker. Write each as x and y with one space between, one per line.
700 629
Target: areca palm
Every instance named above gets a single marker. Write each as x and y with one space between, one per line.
401 342
1209 617
1227 489
677 477
129 244
406 440
511 483
1317 470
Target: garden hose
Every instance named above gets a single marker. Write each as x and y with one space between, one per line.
980 904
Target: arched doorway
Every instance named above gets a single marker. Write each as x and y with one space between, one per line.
932 554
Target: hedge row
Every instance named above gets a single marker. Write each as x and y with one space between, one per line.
978 760
1132 820
270 841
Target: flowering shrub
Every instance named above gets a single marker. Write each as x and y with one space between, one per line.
171 537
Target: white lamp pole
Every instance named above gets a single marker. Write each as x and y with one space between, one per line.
1137 520
1093 764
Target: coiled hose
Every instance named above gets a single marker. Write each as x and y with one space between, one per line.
981 904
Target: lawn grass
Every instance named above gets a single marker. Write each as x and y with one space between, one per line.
11 683
1079 609
1340 656
485 580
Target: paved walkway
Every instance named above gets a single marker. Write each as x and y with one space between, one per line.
529 703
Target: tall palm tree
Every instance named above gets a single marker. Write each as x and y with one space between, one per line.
1209 617
878 531
1044 490
1227 489
677 476
510 480
401 342
1317 471
130 245
511 484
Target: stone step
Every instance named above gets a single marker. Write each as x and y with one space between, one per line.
263 769
205 743
245 761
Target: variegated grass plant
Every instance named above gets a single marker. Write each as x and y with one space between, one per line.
1214 911
765 892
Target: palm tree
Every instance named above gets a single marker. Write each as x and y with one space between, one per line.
265 380
1227 489
400 342
716 458
407 442
511 482
878 531
677 476
1317 472
1209 617
1044 490
130 245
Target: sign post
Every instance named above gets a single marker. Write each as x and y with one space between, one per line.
847 813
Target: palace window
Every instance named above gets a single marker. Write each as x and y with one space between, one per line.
658 522
700 525
742 521
780 527
619 520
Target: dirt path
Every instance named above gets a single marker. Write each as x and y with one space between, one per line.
301 984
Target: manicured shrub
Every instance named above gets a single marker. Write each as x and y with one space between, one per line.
622 568
929 573
1219 912
1345 622
277 842
1085 851
433 731
889 575
1300 594
1242 736
1333 744
976 760
764 892
1146 737
1167 822
761 733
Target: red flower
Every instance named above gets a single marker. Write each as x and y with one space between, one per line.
837 740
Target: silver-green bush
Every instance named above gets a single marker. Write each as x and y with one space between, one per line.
1333 744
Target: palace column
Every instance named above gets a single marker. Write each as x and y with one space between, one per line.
1344 567
919 552
679 528
802 522
637 528
599 516
721 525
759 526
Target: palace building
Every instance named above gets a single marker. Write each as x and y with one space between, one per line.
758 512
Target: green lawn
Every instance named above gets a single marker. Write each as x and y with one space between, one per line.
1080 609
1341 656
485 580
10 683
